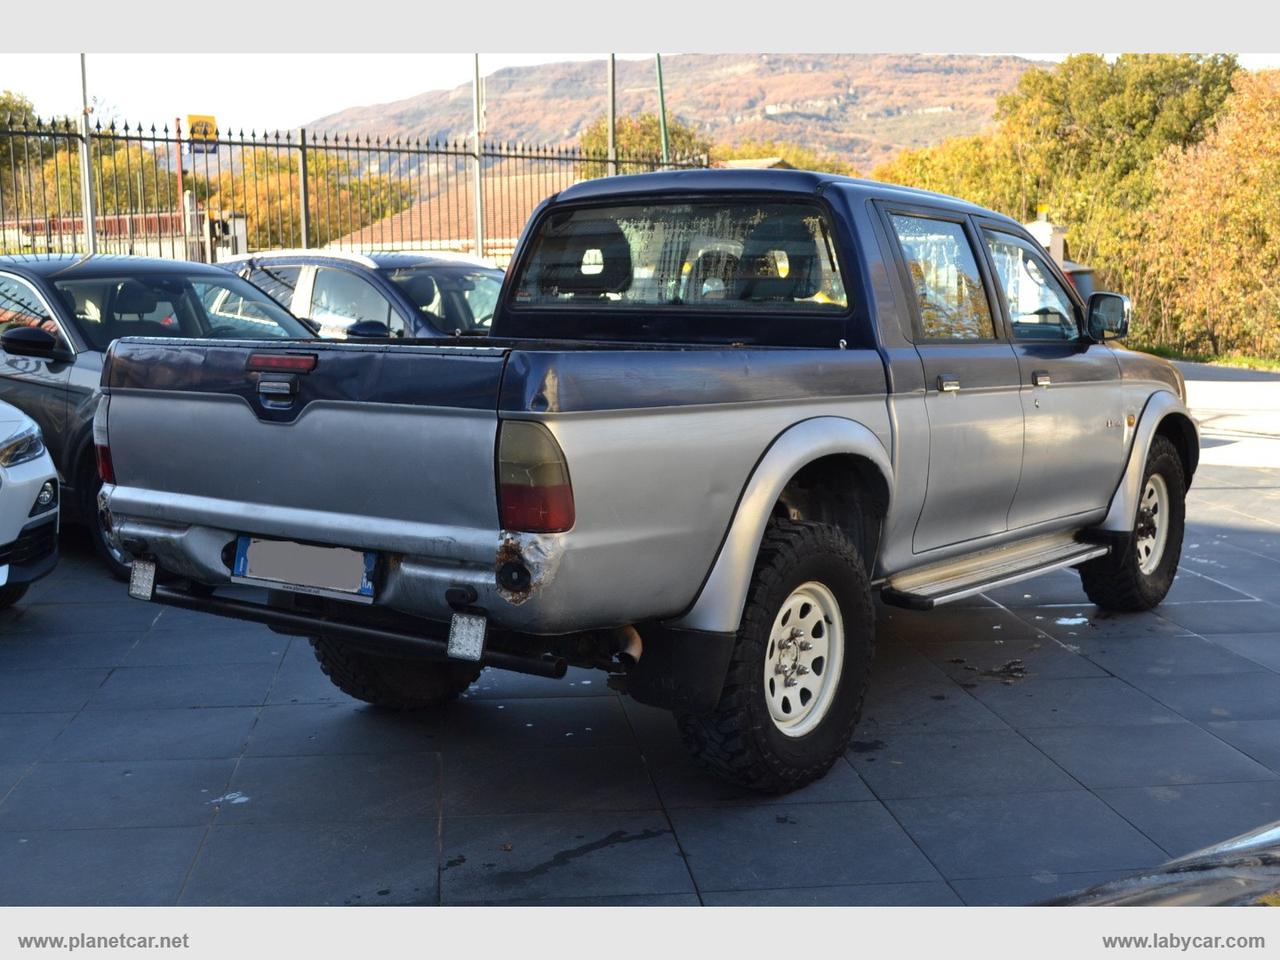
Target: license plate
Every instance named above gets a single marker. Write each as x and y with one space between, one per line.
302 568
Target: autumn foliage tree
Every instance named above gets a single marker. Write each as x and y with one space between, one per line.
1088 142
638 138
1214 250
262 186
795 154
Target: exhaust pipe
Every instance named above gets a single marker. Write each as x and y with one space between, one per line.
628 638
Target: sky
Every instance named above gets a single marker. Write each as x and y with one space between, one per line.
271 91
249 90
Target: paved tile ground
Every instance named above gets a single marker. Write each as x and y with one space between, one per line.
150 756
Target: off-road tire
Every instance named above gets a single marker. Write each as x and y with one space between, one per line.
1116 581
739 741
391 682
12 593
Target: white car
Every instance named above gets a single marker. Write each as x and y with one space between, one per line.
28 505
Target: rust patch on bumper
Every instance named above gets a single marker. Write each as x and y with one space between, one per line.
537 555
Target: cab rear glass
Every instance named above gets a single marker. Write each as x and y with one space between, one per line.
764 268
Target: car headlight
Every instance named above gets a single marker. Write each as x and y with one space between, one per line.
22 447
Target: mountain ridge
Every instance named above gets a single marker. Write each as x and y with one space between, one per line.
864 108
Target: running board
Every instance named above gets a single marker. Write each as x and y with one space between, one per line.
927 587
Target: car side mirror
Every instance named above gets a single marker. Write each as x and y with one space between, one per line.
1109 315
29 342
368 330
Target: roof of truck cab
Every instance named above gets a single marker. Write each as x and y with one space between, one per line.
748 181
73 266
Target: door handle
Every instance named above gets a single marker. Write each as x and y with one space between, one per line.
1041 378
948 383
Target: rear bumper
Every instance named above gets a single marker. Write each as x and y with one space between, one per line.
421 566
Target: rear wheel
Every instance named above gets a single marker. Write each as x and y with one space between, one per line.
392 682
1139 571
800 664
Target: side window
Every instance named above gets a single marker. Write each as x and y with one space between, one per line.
1039 308
277 282
944 276
340 299
20 307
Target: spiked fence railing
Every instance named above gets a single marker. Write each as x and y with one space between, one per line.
159 192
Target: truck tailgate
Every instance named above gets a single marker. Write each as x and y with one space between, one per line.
372 446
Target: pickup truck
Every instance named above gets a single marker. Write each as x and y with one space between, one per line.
719 411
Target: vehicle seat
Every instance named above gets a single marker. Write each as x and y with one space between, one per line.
587 263
422 290
758 277
715 271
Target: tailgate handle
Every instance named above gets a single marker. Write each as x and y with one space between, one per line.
277 389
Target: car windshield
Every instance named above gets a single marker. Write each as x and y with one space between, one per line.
168 305
452 297
766 257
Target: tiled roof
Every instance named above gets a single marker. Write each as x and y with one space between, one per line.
448 216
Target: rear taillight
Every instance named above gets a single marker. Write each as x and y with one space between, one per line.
281 362
105 470
101 449
534 493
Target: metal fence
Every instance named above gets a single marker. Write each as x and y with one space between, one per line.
159 193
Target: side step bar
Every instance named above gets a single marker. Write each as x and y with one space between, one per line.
926 587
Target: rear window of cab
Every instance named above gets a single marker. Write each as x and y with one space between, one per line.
735 255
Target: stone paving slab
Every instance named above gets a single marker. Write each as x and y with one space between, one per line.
157 756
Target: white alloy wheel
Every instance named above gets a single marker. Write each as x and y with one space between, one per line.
803 659
1152 530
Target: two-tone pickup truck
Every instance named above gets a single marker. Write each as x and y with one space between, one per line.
718 411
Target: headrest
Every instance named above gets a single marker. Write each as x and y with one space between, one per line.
758 277
421 289
134 298
594 259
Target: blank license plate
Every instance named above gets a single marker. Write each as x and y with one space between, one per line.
302 568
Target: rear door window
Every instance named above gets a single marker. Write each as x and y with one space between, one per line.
951 300
340 299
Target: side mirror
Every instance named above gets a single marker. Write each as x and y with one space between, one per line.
29 342
368 330
1108 317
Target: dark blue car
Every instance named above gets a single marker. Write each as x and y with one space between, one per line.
412 295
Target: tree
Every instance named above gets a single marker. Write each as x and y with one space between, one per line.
343 197
798 156
1083 141
24 146
1214 249
127 178
639 144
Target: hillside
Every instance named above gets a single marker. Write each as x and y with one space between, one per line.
864 107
